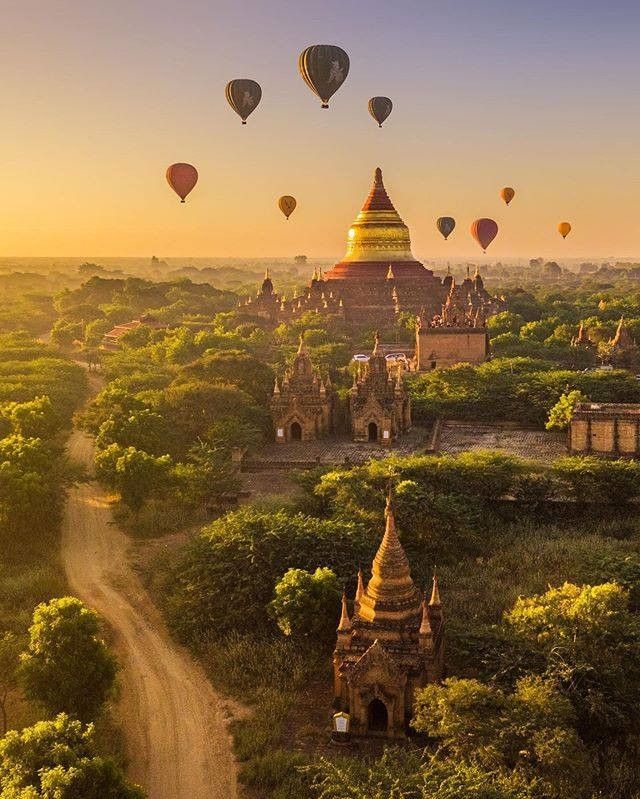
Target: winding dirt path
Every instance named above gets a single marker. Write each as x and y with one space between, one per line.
174 724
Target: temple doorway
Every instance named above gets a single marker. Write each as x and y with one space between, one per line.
377 716
296 432
373 431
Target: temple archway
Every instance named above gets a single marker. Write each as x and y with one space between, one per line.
377 716
372 431
296 432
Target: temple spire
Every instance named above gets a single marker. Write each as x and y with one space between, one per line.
376 344
302 349
391 593
276 387
360 588
378 199
345 621
435 593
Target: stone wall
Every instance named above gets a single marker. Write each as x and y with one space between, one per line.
438 347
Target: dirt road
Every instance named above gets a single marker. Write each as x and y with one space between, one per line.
174 724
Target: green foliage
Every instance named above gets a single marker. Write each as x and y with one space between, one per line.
529 733
66 666
57 760
401 774
527 388
561 414
225 578
134 473
589 479
307 605
591 644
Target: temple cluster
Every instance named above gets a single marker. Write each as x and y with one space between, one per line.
377 279
304 406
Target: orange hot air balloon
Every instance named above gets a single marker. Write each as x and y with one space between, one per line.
484 232
182 178
507 194
287 205
564 228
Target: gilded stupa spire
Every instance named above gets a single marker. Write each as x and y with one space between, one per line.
378 233
302 349
391 593
435 593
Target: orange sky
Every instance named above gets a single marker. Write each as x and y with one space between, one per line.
99 98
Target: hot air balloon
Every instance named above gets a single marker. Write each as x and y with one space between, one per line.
182 178
507 194
243 95
564 228
380 108
484 232
445 225
324 68
287 205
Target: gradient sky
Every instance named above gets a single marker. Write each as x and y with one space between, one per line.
99 97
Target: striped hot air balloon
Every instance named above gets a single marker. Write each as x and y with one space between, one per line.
324 68
243 95
380 108
446 225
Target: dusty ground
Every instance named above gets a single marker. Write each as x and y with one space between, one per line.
175 725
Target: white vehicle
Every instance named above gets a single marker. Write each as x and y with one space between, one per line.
360 358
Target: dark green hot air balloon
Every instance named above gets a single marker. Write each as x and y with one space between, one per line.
324 68
243 95
446 225
380 108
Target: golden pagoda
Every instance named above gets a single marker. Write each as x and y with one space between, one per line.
378 234
392 646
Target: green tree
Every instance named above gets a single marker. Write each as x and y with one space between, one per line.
67 666
57 759
529 732
561 414
590 642
307 604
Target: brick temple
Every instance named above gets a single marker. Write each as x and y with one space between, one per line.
377 279
391 646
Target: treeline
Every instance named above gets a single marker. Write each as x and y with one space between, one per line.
87 313
516 389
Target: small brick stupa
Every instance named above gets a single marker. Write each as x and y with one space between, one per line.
392 646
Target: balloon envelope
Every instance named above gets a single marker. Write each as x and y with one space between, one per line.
324 68
243 95
380 108
287 205
445 225
182 178
564 228
507 194
484 232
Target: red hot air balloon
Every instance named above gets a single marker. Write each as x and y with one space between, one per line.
182 178
484 232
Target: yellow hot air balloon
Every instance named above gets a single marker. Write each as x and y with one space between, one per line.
564 228
507 194
287 205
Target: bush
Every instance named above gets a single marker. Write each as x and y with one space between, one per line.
307 605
